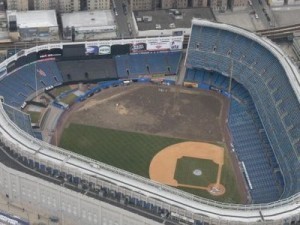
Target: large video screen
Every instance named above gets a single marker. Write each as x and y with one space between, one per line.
74 50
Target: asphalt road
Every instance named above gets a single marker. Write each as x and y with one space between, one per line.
122 12
263 11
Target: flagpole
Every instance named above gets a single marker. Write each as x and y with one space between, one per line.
36 94
36 85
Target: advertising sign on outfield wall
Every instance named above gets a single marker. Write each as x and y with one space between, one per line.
55 52
161 45
95 50
91 50
176 45
138 47
104 50
158 45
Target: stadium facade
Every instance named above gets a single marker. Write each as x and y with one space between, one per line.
119 197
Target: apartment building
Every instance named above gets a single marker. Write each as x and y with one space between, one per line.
19 5
137 5
98 4
46 4
218 5
198 3
174 4
63 6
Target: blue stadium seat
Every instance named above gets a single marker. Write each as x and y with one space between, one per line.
26 80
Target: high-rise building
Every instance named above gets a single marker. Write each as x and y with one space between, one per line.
218 5
60 5
174 4
237 4
69 5
19 5
198 3
98 4
46 4
142 4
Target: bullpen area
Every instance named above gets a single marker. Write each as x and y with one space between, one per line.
172 135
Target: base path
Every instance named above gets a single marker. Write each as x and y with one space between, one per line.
163 165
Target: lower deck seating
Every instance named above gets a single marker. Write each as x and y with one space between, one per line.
24 81
249 138
21 119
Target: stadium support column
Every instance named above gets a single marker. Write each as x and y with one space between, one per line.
230 76
36 85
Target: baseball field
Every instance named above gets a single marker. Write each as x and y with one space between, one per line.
173 136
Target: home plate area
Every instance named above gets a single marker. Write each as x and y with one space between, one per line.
196 165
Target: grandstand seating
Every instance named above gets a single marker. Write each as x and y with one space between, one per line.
21 119
135 65
26 80
249 139
262 75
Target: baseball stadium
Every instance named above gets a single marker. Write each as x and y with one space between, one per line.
149 131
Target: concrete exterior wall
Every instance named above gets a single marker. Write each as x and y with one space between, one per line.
169 32
239 4
19 5
141 4
66 6
40 33
219 5
46 4
49 200
199 3
98 4
169 4
276 2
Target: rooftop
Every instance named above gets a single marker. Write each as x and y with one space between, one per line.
88 19
36 18
166 19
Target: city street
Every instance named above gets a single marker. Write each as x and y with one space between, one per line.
122 13
264 13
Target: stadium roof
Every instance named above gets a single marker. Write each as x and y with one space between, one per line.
36 18
88 19
166 17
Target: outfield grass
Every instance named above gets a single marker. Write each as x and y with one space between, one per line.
185 167
127 150
69 99
133 152
58 90
34 116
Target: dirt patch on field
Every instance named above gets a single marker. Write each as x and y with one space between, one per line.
163 165
160 110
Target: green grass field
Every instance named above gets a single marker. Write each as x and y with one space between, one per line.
127 150
69 99
57 91
133 152
185 167
34 116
